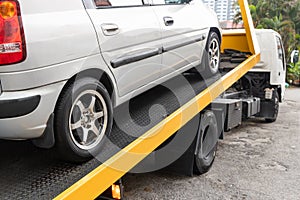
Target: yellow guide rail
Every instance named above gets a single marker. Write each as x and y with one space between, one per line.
97 181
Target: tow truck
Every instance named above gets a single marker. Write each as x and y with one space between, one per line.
196 112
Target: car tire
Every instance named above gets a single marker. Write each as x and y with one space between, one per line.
207 143
83 117
211 56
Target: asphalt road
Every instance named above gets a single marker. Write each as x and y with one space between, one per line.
255 161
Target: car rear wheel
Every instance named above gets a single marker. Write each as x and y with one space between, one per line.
211 56
83 117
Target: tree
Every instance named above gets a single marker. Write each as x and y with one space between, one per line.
282 16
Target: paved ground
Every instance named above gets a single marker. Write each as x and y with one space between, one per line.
255 161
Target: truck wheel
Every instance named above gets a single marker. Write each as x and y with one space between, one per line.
275 102
211 56
207 143
83 116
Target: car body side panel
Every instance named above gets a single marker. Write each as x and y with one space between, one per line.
184 40
55 32
48 6
136 35
60 42
23 80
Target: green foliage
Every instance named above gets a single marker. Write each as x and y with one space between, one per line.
297 41
293 72
282 16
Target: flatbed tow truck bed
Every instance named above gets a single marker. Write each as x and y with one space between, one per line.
30 173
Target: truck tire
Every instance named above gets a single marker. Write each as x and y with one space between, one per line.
83 117
211 56
275 102
207 143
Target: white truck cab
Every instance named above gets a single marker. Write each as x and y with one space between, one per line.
266 80
272 59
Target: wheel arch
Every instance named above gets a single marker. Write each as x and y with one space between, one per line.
216 30
98 74
279 90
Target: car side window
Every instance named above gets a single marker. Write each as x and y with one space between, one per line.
162 2
117 3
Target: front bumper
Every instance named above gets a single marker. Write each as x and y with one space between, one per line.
24 114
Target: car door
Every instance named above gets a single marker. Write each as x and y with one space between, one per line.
130 41
184 33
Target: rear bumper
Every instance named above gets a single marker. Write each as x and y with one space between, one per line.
13 108
24 114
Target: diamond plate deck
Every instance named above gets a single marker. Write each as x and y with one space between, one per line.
30 173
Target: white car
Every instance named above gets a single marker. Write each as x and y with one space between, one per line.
65 64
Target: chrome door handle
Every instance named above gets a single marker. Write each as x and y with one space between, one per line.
110 29
168 21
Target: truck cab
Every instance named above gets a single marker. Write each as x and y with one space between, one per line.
272 59
266 80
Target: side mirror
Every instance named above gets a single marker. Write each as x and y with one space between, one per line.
295 56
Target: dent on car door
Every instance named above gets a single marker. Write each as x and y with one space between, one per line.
130 41
184 33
